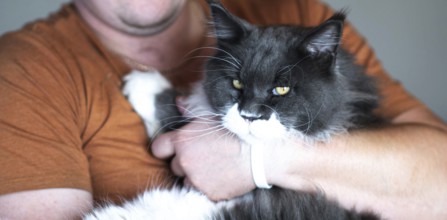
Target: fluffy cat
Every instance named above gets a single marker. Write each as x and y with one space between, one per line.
266 83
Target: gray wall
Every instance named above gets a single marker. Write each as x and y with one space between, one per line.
409 36
14 13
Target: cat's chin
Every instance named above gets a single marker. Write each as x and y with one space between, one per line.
257 130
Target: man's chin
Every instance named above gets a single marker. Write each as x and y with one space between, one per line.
150 27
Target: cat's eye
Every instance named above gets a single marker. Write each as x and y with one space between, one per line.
281 90
237 84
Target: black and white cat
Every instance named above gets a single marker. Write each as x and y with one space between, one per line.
266 83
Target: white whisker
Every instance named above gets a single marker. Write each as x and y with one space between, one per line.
218 58
209 131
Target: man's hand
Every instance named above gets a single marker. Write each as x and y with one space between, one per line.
209 157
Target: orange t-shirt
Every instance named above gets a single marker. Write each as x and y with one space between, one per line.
64 122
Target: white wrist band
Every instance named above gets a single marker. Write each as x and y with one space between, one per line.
257 166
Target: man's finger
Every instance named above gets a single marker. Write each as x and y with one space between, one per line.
176 168
163 147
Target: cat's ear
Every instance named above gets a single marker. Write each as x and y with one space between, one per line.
227 27
325 38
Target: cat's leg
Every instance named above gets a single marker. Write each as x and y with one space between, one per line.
142 89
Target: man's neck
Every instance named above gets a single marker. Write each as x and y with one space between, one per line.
163 51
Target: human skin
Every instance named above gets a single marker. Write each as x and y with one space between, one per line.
149 39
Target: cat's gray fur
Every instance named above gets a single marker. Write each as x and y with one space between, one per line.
328 94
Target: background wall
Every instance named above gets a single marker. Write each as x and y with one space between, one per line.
409 36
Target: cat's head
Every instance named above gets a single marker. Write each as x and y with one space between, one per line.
275 80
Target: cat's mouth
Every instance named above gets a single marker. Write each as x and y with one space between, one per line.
251 129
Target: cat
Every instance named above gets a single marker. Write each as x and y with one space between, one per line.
267 83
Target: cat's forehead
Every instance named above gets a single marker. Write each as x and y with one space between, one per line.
267 52
264 54
261 71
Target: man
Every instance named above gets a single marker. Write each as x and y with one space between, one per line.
69 137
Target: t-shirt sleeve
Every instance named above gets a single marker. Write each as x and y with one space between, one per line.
40 143
64 122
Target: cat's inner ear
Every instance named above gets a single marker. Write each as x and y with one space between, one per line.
325 38
226 26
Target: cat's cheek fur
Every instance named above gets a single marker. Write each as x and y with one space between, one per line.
258 130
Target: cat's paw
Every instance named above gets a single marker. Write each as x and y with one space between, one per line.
141 90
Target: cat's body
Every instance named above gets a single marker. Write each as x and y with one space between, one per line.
260 204
267 84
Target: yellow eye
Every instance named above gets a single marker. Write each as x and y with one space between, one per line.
237 84
281 90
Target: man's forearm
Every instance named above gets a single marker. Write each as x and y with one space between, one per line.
400 170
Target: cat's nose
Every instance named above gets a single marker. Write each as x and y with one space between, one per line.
249 117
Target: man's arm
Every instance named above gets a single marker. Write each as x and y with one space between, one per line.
46 204
399 170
